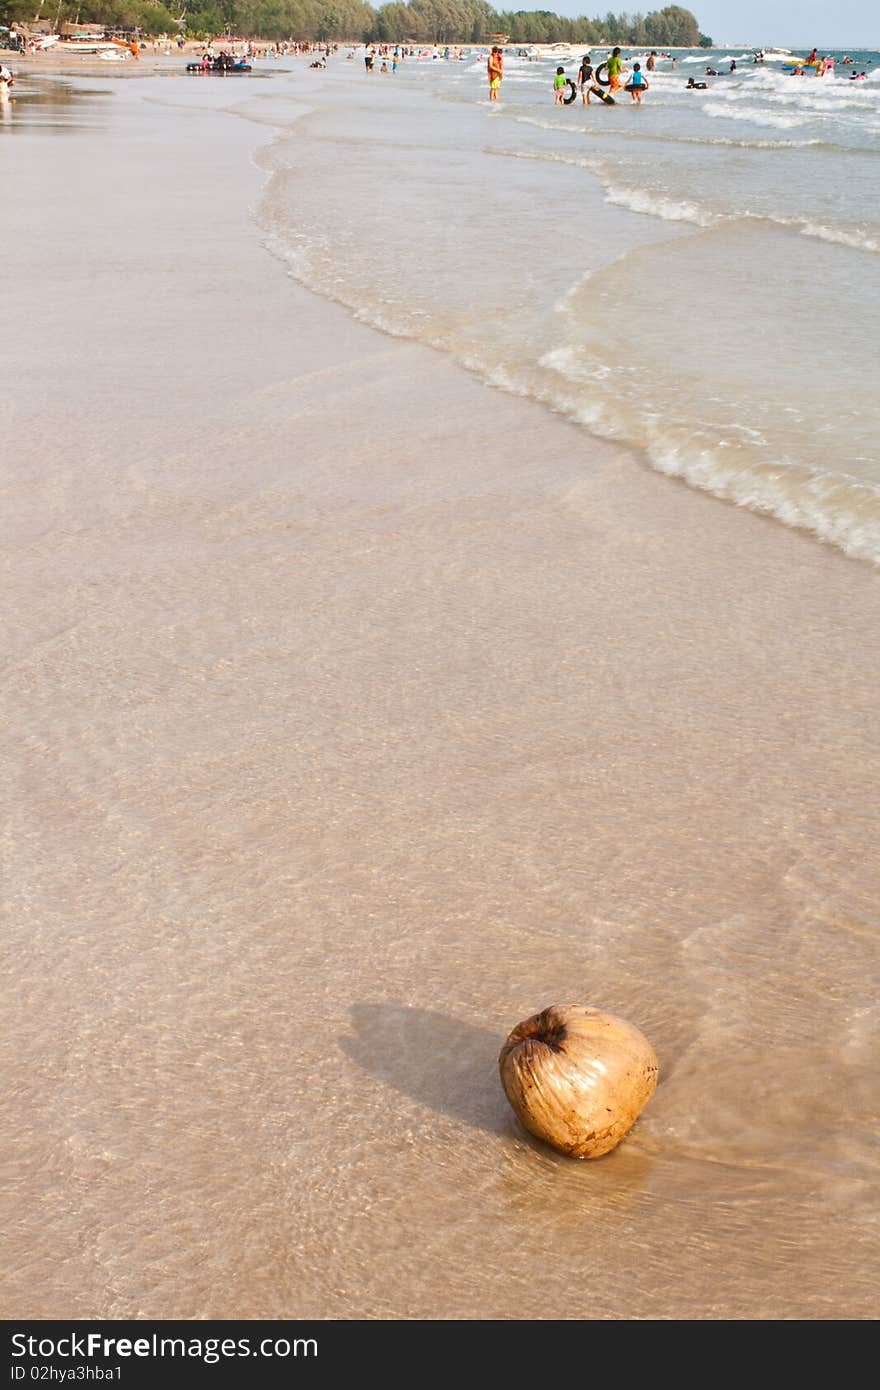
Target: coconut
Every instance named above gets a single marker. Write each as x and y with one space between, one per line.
578 1078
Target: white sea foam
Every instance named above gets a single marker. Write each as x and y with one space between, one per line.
562 304
842 511
541 124
567 362
547 157
841 236
730 143
755 115
654 205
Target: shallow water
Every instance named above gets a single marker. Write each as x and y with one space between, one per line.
354 711
736 360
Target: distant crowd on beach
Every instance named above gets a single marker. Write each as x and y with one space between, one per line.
389 56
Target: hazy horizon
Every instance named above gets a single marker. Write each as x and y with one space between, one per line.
788 23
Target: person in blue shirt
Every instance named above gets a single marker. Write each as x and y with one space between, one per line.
636 84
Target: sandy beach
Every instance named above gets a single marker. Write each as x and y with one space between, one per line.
354 710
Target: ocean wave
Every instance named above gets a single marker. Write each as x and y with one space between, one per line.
638 200
652 204
842 511
655 205
756 116
841 236
666 138
544 125
850 106
729 142
546 157
564 301
567 363
836 508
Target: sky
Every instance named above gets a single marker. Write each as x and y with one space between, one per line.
753 23
823 23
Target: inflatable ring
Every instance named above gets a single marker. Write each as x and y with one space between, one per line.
566 101
603 81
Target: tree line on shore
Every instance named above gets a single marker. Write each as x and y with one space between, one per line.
419 22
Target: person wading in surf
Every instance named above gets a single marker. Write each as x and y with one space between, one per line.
495 70
585 78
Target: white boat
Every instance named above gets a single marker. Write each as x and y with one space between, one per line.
561 52
775 55
87 43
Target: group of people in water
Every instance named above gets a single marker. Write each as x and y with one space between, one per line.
590 82
813 60
590 78
219 62
392 55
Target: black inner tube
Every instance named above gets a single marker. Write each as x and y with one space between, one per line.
573 91
603 81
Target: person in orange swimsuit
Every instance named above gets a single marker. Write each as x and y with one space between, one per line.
495 69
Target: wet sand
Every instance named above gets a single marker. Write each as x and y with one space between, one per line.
354 711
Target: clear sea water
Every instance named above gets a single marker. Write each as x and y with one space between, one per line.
697 276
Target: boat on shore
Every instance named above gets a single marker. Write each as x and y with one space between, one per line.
89 45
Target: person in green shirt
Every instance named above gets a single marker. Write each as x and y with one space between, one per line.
559 86
614 67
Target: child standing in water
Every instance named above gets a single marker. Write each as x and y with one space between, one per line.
585 78
559 86
636 84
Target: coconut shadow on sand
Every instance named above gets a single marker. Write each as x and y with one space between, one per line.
438 1061
452 1067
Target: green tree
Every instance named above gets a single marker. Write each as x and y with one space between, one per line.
392 23
423 21
638 31
673 26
